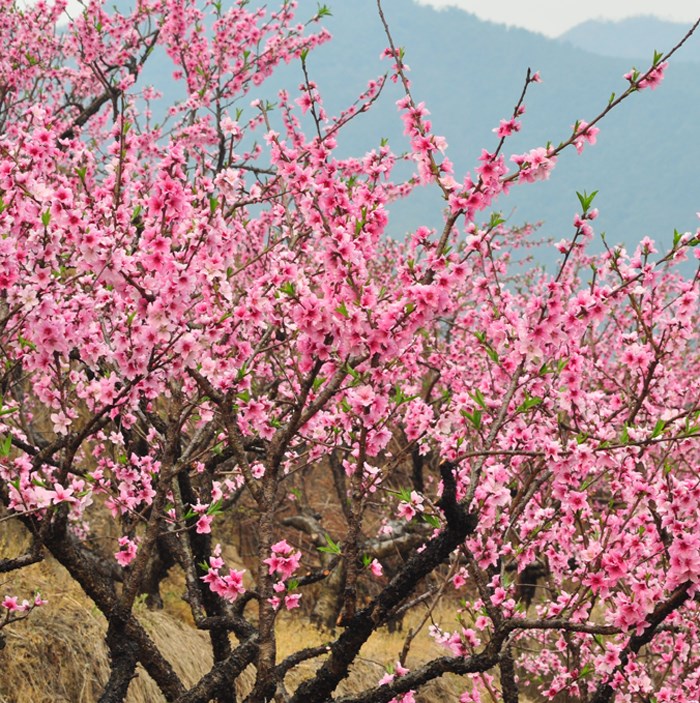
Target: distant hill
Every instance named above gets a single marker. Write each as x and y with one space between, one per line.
470 74
633 38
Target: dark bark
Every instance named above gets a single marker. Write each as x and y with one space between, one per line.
123 654
156 570
31 557
213 605
417 462
419 677
216 681
509 685
79 563
359 628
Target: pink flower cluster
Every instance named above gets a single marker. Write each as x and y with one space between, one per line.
398 670
584 134
291 600
228 587
12 604
127 551
534 165
284 560
409 509
652 79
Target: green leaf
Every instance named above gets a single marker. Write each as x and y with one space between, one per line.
46 218
432 520
528 404
585 671
496 219
215 508
399 397
625 436
25 343
350 370
5 448
658 428
343 310
474 417
331 548
318 382
586 200
404 494
478 398
493 354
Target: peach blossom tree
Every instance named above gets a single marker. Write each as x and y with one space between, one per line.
204 323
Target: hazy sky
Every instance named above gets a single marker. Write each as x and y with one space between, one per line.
553 17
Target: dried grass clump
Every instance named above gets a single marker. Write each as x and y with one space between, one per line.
57 658
58 655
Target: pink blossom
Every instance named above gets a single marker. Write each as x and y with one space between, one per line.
507 127
10 603
291 601
584 133
376 568
228 587
284 560
127 552
534 165
408 510
499 595
204 524
654 77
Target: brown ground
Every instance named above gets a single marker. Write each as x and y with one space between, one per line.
58 655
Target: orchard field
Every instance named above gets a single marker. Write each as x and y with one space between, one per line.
254 449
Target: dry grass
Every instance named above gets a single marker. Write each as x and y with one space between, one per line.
380 651
58 655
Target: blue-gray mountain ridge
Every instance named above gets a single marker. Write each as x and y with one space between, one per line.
470 74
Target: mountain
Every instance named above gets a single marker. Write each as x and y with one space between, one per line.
470 74
632 38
